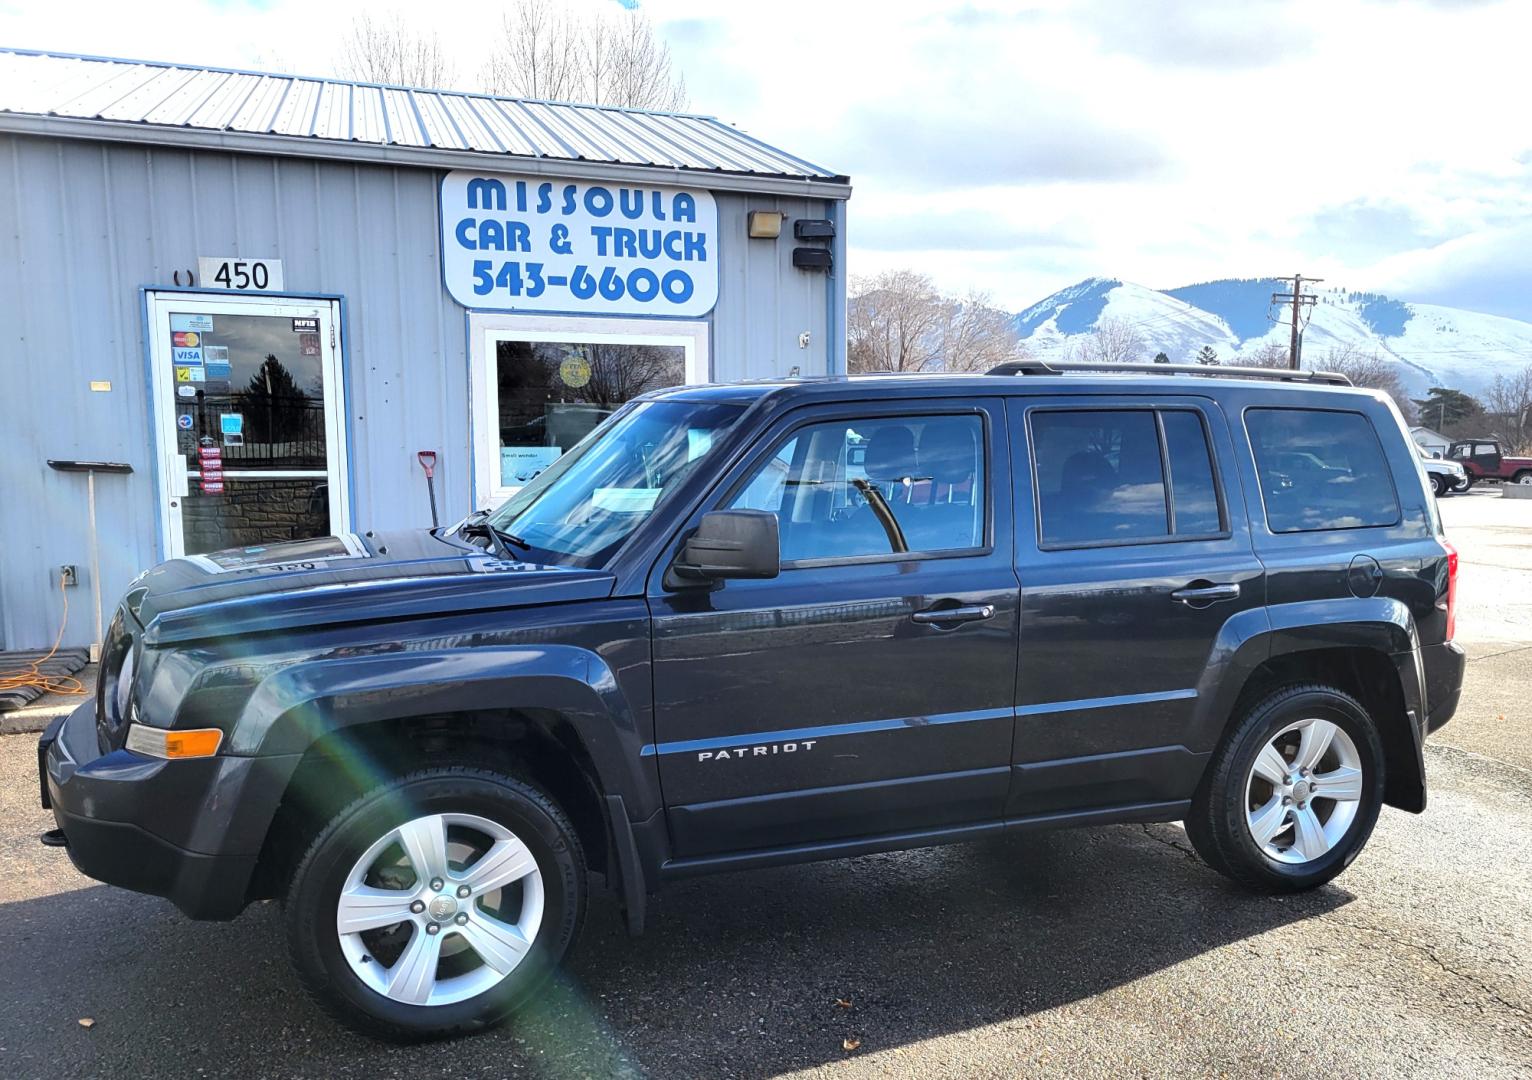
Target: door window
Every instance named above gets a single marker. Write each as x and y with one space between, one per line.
879 486
248 418
1320 470
1102 477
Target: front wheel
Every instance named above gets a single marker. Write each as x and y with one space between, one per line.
1439 485
1293 792
436 904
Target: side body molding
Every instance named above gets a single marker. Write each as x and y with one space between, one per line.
298 705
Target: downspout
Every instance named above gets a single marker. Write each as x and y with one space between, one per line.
835 291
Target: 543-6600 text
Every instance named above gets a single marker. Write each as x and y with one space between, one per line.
531 280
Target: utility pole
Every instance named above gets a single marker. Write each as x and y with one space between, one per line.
1299 299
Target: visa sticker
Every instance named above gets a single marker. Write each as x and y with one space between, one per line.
191 357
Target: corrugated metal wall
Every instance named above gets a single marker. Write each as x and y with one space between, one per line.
85 226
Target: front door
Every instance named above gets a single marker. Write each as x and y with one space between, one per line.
867 690
248 420
1133 552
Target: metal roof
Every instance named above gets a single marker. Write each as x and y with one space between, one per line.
101 97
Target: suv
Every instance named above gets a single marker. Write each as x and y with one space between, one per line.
702 640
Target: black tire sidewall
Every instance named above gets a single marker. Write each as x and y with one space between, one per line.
311 900
1439 485
1266 721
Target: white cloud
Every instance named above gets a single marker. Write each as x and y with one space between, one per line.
1157 141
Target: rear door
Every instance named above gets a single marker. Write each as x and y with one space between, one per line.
1131 565
865 690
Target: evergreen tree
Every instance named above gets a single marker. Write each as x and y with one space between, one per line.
1207 356
1161 358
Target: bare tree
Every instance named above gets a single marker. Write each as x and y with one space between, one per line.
1268 355
1508 402
1113 341
387 50
1367 368
900 321
601 57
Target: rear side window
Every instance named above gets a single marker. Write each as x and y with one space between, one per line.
1102 476
1321 470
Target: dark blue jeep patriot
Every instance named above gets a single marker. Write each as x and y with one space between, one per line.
755 624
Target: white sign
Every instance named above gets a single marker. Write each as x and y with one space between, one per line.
242 275
520 243
519 464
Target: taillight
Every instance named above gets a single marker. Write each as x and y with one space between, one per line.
1450 604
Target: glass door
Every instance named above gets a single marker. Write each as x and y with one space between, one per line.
249 421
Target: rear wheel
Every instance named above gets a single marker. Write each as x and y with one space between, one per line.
436 904
1292 794
1524 477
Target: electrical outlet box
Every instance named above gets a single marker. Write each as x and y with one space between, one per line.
69 574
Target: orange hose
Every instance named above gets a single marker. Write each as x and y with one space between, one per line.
31 675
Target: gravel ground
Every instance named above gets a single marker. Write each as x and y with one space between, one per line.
1100 952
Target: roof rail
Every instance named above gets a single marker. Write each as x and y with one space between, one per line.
1042 367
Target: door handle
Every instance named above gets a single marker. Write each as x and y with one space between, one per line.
971 613
1195 594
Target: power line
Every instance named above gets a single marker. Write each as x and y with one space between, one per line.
1299 300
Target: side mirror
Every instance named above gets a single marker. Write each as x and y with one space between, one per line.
731 544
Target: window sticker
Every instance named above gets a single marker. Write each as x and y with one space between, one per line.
180 321
626 500
231 423
186 357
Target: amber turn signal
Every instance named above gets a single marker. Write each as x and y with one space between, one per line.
157 742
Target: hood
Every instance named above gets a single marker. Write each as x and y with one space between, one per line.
339 579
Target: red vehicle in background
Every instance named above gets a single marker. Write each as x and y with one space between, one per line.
1482 460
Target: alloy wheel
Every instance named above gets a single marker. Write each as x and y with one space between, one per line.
440 909
1303 791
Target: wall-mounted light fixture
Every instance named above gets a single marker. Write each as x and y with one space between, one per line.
766 224
805 258
814 229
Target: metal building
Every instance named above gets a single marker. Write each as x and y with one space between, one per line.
265 294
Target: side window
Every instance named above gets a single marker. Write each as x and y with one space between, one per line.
1101 476
1194 491
1098 476
849 488
1320 470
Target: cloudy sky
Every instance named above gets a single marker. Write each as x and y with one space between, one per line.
1016 148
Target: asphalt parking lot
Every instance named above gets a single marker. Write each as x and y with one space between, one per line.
1102 952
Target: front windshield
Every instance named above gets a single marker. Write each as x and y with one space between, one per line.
580 510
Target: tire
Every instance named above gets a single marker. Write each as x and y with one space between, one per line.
1524 477
1226 807
1468 482
1439 485
476 812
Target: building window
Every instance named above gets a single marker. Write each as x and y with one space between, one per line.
543 383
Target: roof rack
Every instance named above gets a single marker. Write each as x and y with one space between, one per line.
1041 367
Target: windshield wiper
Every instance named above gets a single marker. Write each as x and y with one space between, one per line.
477 524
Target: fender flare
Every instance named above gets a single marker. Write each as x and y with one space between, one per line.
295 707
1251 638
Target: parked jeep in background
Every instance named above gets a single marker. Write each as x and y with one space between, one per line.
747 625
1482 460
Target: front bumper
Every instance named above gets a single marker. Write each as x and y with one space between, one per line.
190 831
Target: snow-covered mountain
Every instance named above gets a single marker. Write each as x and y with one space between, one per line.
1433 345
